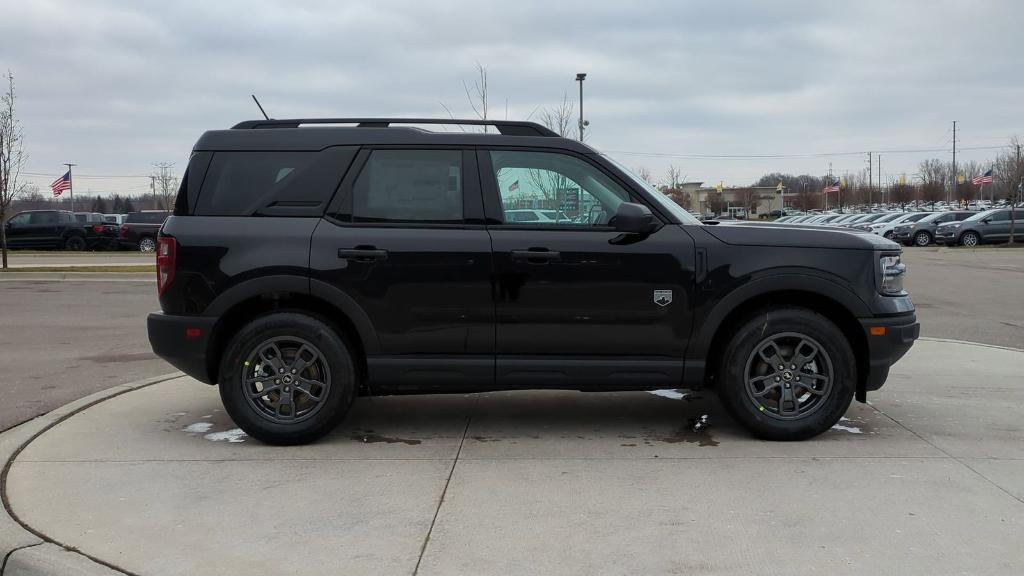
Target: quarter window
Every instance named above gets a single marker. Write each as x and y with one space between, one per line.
423 186
550 189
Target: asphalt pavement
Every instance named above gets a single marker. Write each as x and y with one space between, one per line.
18 259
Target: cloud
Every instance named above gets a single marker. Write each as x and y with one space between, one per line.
117 86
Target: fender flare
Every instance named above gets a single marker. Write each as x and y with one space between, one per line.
819 285
307 287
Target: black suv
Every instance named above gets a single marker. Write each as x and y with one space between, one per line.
51 229
304 266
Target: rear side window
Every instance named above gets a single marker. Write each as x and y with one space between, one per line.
409 186
44 218
146 217
271 183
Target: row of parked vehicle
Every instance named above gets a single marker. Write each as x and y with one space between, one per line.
61 229
949 227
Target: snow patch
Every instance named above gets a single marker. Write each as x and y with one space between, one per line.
850 429
233 435
198 427
670 394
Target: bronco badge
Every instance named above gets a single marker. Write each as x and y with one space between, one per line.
662 297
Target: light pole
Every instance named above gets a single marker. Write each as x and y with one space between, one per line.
580 77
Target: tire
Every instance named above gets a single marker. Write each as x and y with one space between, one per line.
970 238
887 235
147 244
922 239
744 374
74 243
304 419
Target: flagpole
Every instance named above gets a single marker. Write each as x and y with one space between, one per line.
71 187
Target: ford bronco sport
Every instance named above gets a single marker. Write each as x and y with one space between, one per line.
311 261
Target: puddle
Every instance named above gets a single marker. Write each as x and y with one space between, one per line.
697 431
485 439
371 438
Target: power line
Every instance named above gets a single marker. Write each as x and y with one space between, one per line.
791 156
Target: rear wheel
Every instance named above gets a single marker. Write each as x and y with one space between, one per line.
970 239
787 374
74 243
287 378
147 244
922 239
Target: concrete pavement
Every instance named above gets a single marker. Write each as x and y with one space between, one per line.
926 480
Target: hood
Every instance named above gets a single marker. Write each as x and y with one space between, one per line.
799 236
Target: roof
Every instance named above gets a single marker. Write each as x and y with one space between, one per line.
297 134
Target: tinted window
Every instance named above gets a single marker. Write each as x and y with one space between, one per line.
1000 216
272 183
915 217
572 191
44 218
409 186
80 218
146 217
20 220
962 215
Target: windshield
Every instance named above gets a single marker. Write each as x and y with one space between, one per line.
656 195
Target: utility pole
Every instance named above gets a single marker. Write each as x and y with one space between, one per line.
71 186
871 179
1013 196
580 77
881 191
954 164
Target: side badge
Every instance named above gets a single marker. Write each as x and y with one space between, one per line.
662 297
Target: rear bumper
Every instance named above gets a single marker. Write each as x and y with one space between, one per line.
885 349
183 341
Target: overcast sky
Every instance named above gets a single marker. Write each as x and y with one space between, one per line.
117 86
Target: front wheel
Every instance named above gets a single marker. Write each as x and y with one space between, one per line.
787 374
922 239
74 243
970 239
888 235
287 378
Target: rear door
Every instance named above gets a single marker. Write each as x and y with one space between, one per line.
404 239
578 303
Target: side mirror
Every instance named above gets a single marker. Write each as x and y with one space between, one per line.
986 220
634 219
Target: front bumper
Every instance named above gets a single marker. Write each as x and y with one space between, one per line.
945 236
184 342
885 347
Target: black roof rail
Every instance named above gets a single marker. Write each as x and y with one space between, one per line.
505 127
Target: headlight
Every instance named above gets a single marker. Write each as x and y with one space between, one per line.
892 272
955 226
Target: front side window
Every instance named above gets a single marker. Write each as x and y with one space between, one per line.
416 186
19 220
545 188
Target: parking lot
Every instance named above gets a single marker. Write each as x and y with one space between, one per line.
924 480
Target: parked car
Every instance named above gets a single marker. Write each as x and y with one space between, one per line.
922 232
988 227
540 216
885 227
104 235
380 261
49 229
140 229
115 218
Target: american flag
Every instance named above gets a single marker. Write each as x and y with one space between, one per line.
513 186
985 178
833 187
61 184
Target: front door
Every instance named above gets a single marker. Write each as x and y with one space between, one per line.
405 241
18 229
576 301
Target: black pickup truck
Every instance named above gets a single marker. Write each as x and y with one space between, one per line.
304 266
140 229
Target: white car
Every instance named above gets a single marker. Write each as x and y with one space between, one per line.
887 227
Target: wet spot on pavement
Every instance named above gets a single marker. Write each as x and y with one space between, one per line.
371 438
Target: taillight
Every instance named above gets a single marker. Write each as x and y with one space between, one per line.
97 228
166 254
124 229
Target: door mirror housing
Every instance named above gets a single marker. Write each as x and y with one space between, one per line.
634 218
986 220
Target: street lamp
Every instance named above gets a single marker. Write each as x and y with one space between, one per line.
580 77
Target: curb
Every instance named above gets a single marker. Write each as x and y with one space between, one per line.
80 276
981 344
24 551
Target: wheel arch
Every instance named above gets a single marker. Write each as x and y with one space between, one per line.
245 301
836 303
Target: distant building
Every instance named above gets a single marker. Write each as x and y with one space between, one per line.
736 199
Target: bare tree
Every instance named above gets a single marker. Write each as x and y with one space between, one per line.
164 185
12 159
560 118
478 96
675 176
644 173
